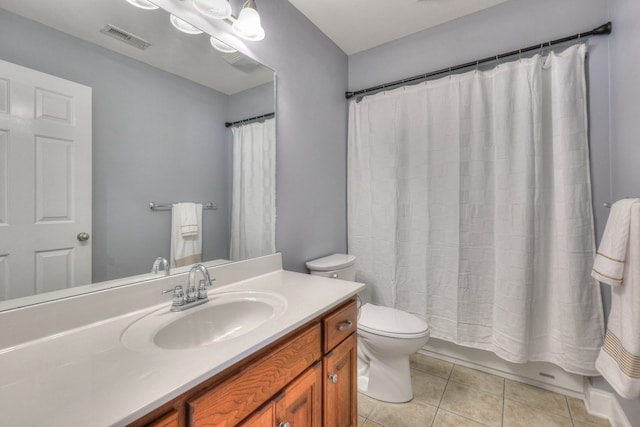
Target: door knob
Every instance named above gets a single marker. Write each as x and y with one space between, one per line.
333 378
284 425
83 237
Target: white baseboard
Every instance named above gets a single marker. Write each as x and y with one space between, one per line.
604 404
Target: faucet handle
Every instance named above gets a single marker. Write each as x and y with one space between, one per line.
202 289
192 293
178 296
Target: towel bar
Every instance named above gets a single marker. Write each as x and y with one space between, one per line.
168 206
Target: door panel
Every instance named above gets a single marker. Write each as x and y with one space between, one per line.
4 166
54 177
45 182
301 403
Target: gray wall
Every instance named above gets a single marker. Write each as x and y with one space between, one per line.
251 103
156 137
311 78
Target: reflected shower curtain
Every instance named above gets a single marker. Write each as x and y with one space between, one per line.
470 205
253 205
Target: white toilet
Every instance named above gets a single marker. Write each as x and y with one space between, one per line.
386 338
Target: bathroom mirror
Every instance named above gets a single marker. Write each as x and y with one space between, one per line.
160 100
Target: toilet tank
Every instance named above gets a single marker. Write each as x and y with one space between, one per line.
336 266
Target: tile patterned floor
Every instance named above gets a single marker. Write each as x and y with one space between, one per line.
449 395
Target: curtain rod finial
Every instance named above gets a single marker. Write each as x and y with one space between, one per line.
603 29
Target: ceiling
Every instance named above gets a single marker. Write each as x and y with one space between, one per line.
357 25
188 56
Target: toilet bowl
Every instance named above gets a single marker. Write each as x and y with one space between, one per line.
386 338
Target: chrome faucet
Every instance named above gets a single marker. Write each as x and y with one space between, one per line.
193 296
160 262
192 279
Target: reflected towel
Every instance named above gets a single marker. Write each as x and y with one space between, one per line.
188 218
619 358
186 234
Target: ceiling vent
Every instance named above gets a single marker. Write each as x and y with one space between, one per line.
125 37
241 62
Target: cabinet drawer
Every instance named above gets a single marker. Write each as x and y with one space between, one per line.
339 325
237 397
169 420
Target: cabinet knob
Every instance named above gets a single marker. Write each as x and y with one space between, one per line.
345 325
284 425
333 378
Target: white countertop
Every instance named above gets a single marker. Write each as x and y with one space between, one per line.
86 377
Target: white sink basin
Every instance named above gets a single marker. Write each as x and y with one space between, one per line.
225 316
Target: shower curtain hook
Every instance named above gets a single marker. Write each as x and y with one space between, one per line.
520 55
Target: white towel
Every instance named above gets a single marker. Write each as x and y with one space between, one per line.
609 263
188 217
186 234
619 266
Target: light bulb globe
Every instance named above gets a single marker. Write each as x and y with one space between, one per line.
143 4
183 26
221 46
248 25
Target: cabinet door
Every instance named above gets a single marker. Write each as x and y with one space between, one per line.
301 403
263 418
340 386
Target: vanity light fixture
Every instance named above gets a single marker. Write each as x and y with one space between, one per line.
143 4
183 26
247 25
222 47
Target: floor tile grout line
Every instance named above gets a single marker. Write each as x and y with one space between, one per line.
433 421
464 416
474 387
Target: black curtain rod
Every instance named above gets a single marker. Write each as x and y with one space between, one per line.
252 119
601 30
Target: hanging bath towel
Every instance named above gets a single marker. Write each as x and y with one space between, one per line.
186 234
618 264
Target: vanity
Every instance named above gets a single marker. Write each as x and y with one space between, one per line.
114 359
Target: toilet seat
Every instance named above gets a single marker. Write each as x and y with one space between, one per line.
389 322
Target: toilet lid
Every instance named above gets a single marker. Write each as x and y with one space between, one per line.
389 321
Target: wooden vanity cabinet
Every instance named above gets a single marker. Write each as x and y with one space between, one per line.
307 379
340 358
